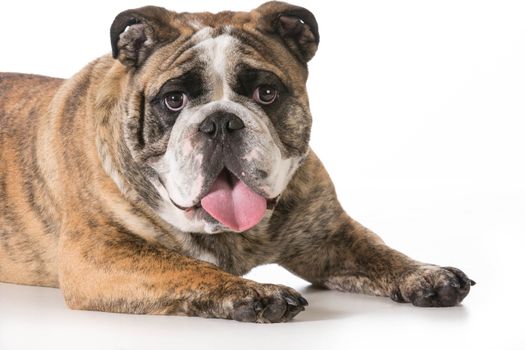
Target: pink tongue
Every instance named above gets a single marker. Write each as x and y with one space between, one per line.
234 205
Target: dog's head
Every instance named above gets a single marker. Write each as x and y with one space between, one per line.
216 108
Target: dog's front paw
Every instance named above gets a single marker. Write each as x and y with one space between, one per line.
431 285
263 303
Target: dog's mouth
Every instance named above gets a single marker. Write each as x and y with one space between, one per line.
233 203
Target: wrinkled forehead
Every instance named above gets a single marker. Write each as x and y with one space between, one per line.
217 54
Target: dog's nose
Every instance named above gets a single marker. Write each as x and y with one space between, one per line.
220 124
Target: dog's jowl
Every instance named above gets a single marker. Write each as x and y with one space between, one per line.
157 176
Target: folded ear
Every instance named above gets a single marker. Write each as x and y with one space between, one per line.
135 33
295 25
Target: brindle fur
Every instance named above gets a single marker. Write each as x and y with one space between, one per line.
65 223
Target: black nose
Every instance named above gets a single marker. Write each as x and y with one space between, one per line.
220 124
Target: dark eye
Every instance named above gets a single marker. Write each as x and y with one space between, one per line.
265 94
175 101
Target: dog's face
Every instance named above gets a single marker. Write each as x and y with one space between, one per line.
217 108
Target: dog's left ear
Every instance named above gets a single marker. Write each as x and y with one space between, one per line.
295 25
135 33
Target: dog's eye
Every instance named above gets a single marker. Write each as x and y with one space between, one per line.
175 101
265 94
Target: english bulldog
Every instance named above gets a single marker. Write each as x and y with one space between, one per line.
156 177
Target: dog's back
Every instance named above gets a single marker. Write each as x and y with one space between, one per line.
27 222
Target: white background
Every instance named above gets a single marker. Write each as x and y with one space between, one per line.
419 117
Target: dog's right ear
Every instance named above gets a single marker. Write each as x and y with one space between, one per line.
135 33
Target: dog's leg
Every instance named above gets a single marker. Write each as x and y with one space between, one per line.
326 247
108 269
